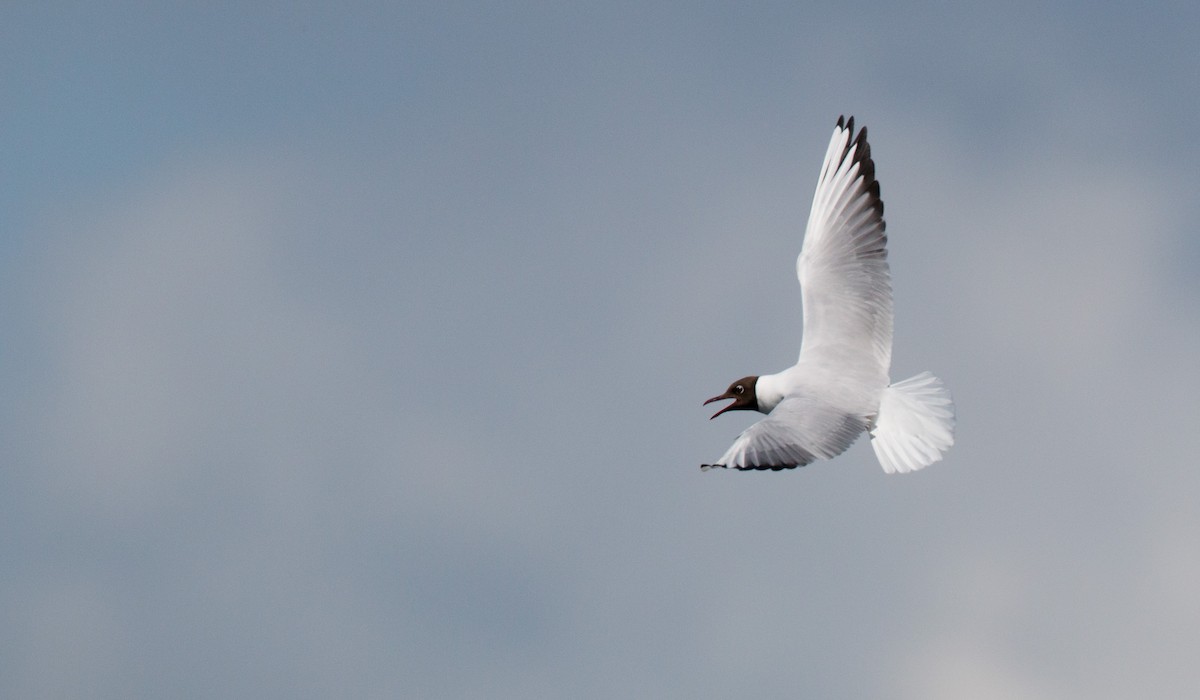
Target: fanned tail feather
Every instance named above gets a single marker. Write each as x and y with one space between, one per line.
915 425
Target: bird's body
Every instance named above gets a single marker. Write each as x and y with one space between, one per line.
839 386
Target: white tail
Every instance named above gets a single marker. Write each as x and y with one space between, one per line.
915 425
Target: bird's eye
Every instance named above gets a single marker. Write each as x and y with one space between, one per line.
739 389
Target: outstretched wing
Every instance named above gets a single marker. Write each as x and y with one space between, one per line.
843 269
799 431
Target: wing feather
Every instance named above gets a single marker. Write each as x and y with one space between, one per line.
798 432
843 271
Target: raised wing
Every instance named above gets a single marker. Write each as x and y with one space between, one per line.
799 431
843 269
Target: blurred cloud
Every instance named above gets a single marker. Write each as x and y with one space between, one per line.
365 354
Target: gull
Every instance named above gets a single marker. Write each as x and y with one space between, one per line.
839 387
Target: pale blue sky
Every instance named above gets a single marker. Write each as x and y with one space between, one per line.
359 351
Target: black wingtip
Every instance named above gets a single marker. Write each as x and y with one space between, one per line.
862 156
769 467
868 166
860 140
847 123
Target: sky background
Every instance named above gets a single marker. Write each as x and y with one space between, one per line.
357 350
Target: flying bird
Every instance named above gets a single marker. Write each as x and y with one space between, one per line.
839 387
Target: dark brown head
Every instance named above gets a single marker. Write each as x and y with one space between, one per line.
742 393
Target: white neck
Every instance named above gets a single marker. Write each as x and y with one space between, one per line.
770 390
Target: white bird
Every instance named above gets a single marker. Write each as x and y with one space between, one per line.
840 387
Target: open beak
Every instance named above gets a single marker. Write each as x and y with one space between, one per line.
720 398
